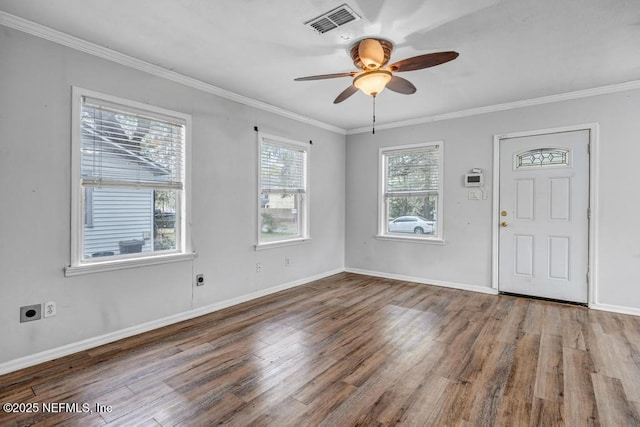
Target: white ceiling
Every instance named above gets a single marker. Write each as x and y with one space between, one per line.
510 50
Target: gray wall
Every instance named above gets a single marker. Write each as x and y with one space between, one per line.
465 258
35 152
35 159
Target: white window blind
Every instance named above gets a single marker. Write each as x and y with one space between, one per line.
130 184
282 168
283 191
412 172
124 148
411 192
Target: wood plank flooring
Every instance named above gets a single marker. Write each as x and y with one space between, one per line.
353 350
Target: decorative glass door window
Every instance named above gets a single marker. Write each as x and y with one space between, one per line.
542 157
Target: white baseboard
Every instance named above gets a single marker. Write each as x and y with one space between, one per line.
462 286
45 356
65 350
616 309
486 290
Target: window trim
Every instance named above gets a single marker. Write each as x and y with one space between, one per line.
304 235
183 249
382 232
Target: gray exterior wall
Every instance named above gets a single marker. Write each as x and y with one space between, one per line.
118 214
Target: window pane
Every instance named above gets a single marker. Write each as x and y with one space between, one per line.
411 190
119 146
122 221
130 195
282 168
543 157
279 216
164 220
282 190
412 214
413 170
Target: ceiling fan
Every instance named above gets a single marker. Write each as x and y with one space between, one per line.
371 55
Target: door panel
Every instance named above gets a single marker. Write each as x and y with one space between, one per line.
524 199
559 199
544 197
559 258
523 259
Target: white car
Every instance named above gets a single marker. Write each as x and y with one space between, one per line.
411 224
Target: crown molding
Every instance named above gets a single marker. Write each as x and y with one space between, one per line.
585 93
76 43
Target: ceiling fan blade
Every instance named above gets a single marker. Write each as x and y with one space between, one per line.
345 94
400 85
326 76
423 61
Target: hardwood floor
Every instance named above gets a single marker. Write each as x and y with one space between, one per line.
353 350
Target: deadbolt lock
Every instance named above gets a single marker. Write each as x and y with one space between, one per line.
503 213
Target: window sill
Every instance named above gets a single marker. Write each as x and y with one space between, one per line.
102 266
428 240
262 246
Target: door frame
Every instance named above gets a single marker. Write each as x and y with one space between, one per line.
593 128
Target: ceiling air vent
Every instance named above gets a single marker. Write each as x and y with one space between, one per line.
333 19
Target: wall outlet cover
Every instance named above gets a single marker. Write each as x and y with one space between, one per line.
50 309
30 312
199 279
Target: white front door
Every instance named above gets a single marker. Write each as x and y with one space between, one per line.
544 223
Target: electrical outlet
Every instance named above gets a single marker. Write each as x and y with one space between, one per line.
50 309
30 312
258 267
287 262
200 280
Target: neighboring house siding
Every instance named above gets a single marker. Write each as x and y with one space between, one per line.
119 215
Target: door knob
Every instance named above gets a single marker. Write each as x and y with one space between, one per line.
503 223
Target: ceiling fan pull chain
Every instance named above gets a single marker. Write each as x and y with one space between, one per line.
373 124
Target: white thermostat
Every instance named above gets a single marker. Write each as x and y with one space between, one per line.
475 178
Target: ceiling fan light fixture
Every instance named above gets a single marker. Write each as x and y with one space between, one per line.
372 82
371 53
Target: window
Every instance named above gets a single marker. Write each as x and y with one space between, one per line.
129 181
411 192
283 192
542 157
